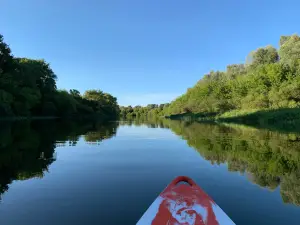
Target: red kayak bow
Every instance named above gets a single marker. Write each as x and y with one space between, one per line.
183 202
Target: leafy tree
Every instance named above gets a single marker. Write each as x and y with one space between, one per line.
265 55
75 93
66 103
94 95
28 88
265 82
151 110
283 39
5 56
235 70
290 49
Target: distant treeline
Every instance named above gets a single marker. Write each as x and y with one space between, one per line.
270 79
28 89
151 110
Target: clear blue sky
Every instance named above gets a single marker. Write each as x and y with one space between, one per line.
142 51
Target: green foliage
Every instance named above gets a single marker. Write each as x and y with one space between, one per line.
48 109
28 88
290 190
265 55
151 110
35 74
235 70
274 119
6 97
31 96
21 108
264 82
75 93
5 56
290 49
5 110
64 101
102 102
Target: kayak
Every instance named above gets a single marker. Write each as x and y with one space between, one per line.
183 202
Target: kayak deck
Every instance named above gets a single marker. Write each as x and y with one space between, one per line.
183 202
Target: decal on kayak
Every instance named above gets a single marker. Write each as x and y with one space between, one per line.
183 202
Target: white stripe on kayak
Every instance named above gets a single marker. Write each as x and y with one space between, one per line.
150 214
221 216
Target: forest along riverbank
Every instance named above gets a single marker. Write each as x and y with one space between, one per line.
286 119
262 92
28 90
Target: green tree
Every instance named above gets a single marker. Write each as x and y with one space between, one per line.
28 88
66 104
267 81
75 93
265 55
290 49
5 56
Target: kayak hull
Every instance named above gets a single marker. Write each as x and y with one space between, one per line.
183 202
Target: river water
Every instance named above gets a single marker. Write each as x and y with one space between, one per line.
55 172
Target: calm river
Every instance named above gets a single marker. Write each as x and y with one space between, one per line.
93 173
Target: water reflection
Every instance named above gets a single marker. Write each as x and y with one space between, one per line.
269 159
27 148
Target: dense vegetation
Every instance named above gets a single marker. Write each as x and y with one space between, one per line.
28 88
28 148
269 159
151 110
270 79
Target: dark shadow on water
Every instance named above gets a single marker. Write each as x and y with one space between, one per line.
27 148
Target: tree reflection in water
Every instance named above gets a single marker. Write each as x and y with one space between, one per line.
27 149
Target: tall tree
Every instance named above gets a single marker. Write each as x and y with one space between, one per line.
262 56
290 49
28 88
5 56
75 93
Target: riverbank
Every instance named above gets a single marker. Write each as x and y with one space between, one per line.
285 119
95 116
28 118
